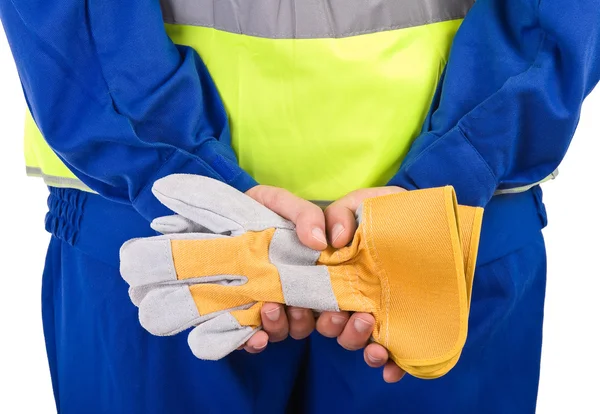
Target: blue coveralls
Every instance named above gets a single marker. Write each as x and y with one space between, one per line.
102 361
503 117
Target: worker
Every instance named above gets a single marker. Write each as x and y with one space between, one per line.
297 104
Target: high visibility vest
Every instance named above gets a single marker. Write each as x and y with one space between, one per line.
323 97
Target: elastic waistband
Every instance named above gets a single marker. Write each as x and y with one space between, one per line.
510 222
99 227
93 224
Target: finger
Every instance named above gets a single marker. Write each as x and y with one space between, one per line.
301 321
274 321
340 215
392 372
257 343
331 324
308 217
375 355
357 332
354 199
341 224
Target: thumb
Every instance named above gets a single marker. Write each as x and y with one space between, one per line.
340 215
306 216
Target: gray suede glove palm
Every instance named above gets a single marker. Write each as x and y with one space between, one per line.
174 294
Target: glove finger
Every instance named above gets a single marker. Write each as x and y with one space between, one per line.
177 224
150 260
219 337
215 205
168 310
138 293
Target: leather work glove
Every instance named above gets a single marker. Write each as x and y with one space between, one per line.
410 264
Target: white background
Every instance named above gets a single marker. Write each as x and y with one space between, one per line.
571 354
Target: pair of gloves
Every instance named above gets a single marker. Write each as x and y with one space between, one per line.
223 255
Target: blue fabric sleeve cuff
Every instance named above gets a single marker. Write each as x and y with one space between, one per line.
449 160
219 167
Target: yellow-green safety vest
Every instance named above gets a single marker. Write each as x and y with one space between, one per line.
323 96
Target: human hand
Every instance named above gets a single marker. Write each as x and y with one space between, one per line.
278 321
354 331
221 327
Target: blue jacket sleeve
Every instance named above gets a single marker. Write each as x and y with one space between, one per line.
509 101
118 102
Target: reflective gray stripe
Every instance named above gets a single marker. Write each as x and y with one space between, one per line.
526 187
303 284
310 19
60 182
325 203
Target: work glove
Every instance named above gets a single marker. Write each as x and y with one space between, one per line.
223 255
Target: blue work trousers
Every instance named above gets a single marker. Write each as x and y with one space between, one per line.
102 361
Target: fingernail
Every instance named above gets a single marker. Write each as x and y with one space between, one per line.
362 326
259 347
273 314
336 232
373 359
338 320
318 234
297 314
